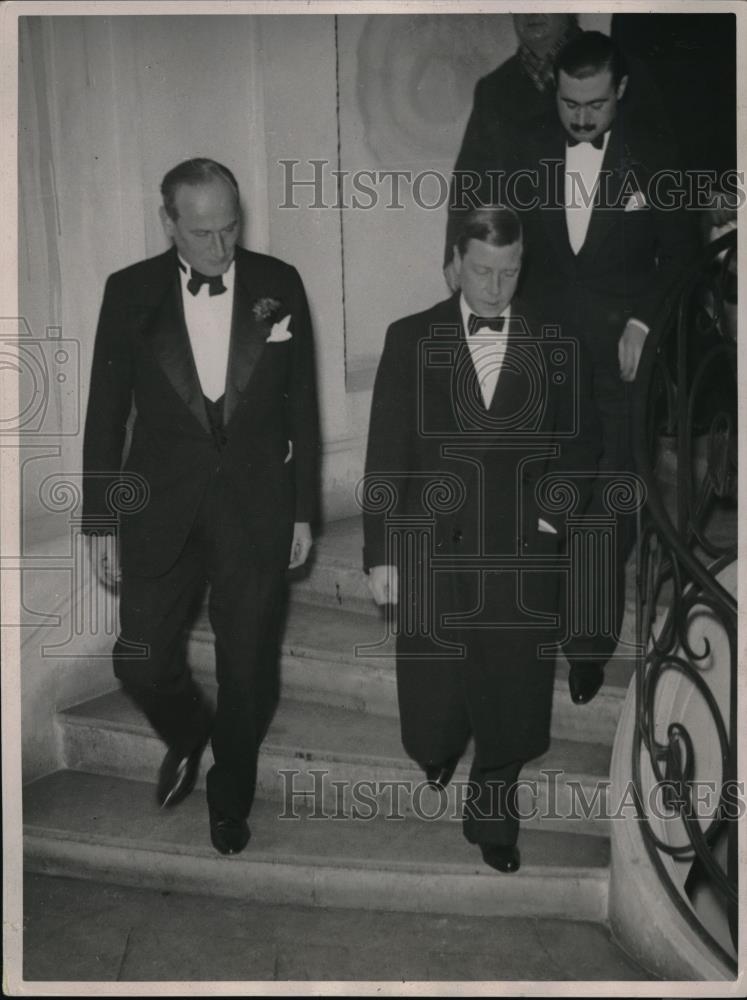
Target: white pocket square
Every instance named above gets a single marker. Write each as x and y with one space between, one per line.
635 201
280 331
545 528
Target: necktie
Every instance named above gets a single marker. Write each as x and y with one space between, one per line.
597 143
492 322
197 280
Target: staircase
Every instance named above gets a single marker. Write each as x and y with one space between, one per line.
393 845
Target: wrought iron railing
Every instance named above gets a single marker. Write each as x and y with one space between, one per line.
686 418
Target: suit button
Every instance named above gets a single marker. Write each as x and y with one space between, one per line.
457 536
223 439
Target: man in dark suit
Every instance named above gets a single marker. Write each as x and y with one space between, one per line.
606 247
210 346
516 98
472 409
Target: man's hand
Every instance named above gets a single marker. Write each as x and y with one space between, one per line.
104 556
450 276
629 350
301 546
383 582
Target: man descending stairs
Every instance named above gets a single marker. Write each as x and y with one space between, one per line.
343 818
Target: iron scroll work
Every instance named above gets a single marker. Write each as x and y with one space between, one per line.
686 396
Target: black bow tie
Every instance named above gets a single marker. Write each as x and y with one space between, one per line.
597 143
197 280
492 322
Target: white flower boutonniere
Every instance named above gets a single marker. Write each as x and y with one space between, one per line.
266 310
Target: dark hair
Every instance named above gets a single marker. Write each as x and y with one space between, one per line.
493 224
590 53
199 170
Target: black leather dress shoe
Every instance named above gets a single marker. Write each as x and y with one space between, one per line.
228 835
177 776
503 859
584 680
439 775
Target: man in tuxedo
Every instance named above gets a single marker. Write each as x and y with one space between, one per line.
517 97
209 347
473 408
606 248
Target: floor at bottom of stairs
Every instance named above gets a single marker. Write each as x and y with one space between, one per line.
76 930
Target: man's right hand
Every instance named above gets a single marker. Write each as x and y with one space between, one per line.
450 276
104 557
384 584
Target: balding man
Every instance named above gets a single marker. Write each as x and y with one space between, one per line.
211 345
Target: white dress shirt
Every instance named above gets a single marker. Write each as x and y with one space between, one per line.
487 348
208 319
582 165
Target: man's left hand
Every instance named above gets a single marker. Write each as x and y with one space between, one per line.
301 545
629 350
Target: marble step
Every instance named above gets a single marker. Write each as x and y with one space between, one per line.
345 763
334 576
345 659
108 828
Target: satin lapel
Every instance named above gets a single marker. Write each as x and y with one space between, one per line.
248 336
441 351
170 343
604 213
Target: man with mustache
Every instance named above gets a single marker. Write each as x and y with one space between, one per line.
607 241
516 98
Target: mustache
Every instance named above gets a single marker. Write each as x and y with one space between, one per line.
582 129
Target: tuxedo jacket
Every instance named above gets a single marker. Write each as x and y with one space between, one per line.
431 431
631 256
266 454
512 124
444 468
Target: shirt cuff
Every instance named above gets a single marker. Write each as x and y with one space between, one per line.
639 323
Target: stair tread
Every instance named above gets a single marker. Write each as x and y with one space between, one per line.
342 541
89 808
332 635
317 732
176 937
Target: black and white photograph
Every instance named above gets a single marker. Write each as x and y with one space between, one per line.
369 459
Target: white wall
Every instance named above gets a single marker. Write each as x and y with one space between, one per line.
108 104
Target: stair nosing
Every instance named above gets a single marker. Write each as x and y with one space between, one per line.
272 747
316 861
204 636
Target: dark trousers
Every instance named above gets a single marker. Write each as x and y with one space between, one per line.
499 692
246 602
613 401
490 810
